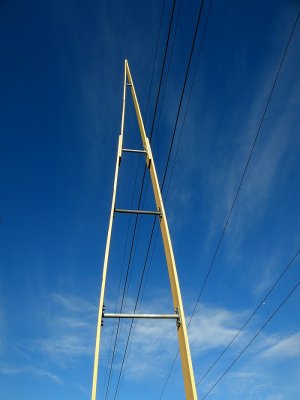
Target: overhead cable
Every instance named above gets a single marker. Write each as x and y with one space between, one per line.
252 315
134 231
183 88
238 190
166 167
252 340
155 57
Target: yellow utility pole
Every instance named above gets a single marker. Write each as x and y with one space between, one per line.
186 361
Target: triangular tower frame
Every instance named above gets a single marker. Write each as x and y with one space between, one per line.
186 362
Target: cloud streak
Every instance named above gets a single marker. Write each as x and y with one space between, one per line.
70 323
286 348
39 372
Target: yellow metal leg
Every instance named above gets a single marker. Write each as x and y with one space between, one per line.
105 263
186 361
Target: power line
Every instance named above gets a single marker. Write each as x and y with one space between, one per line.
181 131
163 68
123 298
118 326
165 86
252 314
168 71
172 141
135 308
155 56
143 179
150 87
245 168
160 79
252 340
190 93
175 127
237 192
119 285
183 88
144 287
136 219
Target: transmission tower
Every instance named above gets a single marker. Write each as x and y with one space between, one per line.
178 315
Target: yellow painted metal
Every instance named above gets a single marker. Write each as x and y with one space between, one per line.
108 240
186 361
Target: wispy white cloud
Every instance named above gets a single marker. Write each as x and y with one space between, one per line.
213 328
267 276
259 183
155 342
151 347
154 345
39 372
70 327
60 346
283 348
246 383
72 303
257 375
68 333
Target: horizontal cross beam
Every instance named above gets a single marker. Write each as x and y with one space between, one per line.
134 151
141 316
120 210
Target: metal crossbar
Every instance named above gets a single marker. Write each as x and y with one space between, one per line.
122 211
133 151
141 316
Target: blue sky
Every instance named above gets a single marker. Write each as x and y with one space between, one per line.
61 95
